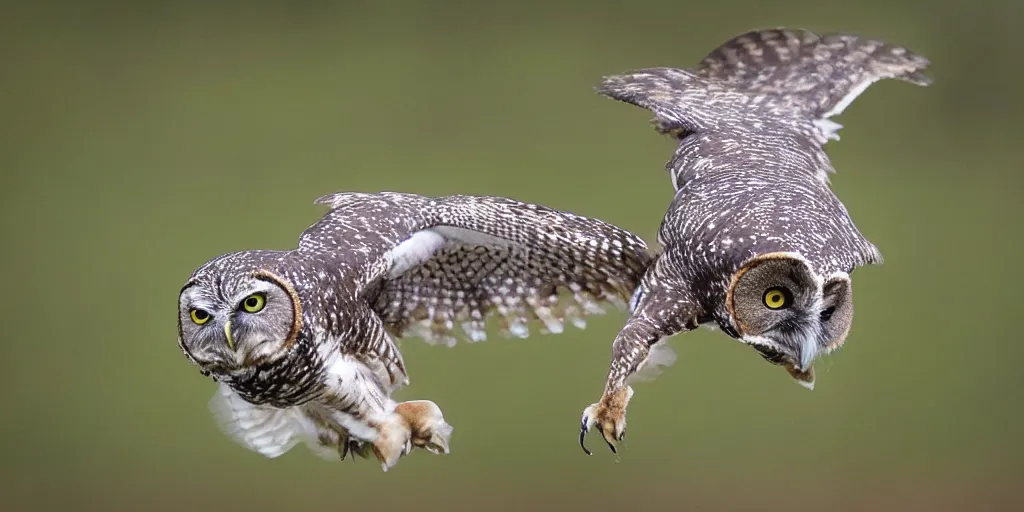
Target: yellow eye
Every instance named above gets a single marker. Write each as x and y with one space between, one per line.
254 303
199 317
776 298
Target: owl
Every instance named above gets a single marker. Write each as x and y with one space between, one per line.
755 243
303 343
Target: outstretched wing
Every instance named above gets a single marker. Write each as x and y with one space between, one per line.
684 102
471 258
822 74
767 79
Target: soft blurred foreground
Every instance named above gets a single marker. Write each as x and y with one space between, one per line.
140 140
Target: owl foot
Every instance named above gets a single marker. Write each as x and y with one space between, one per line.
429 430
609 416
394 439
414 424
338 438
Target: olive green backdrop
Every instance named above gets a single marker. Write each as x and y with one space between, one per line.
136 142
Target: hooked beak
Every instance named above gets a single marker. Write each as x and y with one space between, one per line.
798 359
227 334
809 347
808 352
803 370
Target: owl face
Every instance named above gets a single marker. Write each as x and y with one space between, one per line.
790 314
232 320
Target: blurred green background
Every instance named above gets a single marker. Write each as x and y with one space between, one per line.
138 141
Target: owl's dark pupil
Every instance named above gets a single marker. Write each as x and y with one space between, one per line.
251 302
200 314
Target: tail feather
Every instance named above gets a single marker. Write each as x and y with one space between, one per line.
768 75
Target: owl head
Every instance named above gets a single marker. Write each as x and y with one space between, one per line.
232 315
789 313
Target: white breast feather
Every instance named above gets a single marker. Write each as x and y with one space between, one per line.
350 378
266 430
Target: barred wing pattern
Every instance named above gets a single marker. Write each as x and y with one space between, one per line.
515 262
765 80
820 74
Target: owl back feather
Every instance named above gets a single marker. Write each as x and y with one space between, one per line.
791 77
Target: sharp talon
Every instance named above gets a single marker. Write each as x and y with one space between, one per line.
609 443
583 436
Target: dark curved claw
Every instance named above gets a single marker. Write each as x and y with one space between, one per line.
583 436
610 445
354 448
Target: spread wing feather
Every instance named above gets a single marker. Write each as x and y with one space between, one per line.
474 258
821 73
766 80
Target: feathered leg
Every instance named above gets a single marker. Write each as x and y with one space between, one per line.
654 317
359 406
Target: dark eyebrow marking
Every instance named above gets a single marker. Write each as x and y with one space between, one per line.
190 283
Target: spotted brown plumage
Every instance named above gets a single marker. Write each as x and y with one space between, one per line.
303 342
755 241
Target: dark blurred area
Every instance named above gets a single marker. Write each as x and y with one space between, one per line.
140 140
